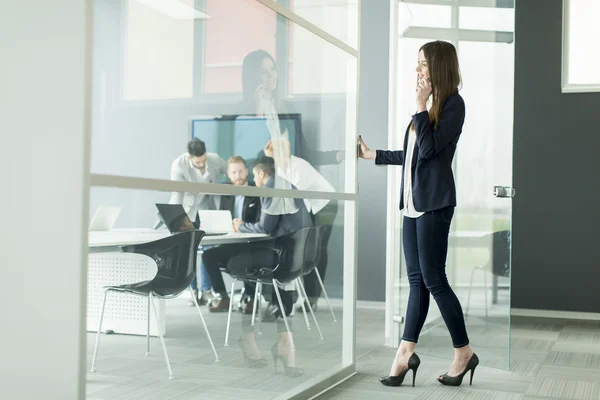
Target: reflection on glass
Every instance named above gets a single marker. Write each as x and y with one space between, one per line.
159 51
487 18
338 18
240 93
285 265
430 16
213 97
234 29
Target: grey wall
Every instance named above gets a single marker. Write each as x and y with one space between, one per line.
556 255
373 125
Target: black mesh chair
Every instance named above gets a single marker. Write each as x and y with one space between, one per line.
289 257
498 264
312 267
175 257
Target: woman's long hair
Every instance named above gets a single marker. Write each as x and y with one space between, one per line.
444 72
251 78
250 81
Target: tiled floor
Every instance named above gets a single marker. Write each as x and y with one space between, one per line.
124 372
551 359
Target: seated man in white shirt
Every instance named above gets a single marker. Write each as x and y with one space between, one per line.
196 165
304 176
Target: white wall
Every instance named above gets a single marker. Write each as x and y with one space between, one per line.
44 198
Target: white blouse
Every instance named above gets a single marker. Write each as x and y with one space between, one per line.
409 207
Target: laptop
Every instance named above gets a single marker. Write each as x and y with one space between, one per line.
104 219
216 222
174 217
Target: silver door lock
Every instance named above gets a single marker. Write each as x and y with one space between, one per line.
504 191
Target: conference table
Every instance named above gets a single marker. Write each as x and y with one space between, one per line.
108 265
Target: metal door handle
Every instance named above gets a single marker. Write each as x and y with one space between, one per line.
504 191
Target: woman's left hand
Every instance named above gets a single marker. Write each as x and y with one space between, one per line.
268 149
423 92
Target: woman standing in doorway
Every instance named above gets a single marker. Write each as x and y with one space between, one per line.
428 200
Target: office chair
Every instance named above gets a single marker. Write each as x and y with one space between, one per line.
312 267
175 257
293 252
498 264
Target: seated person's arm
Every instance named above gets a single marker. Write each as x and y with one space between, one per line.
267 223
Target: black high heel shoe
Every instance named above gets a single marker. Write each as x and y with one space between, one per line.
252 362
457 380
290 371
413 364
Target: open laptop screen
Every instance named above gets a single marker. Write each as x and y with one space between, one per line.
174 217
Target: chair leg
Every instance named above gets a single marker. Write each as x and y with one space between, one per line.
485 288
229 315
162 340
206 328
254 305
258 301
310 309
470 289
285 321
242 293
325 294
302 299
148 330
494 289
99 331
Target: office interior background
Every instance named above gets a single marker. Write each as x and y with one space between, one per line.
100 96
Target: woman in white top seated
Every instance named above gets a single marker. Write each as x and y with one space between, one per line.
304 176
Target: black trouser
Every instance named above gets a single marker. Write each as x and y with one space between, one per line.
324 218
244 257
425 241
217 259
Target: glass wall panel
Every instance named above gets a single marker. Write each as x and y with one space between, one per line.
478 262
338 18
424 15
223 92
487 18
234 55
246 352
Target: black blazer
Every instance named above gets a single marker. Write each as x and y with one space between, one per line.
433 185
250 211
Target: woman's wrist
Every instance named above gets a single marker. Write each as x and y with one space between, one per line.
372 154
421 107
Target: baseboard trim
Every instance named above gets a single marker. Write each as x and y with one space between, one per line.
524 312
365 304
374 305
520 312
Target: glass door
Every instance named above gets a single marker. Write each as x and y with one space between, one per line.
478 262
